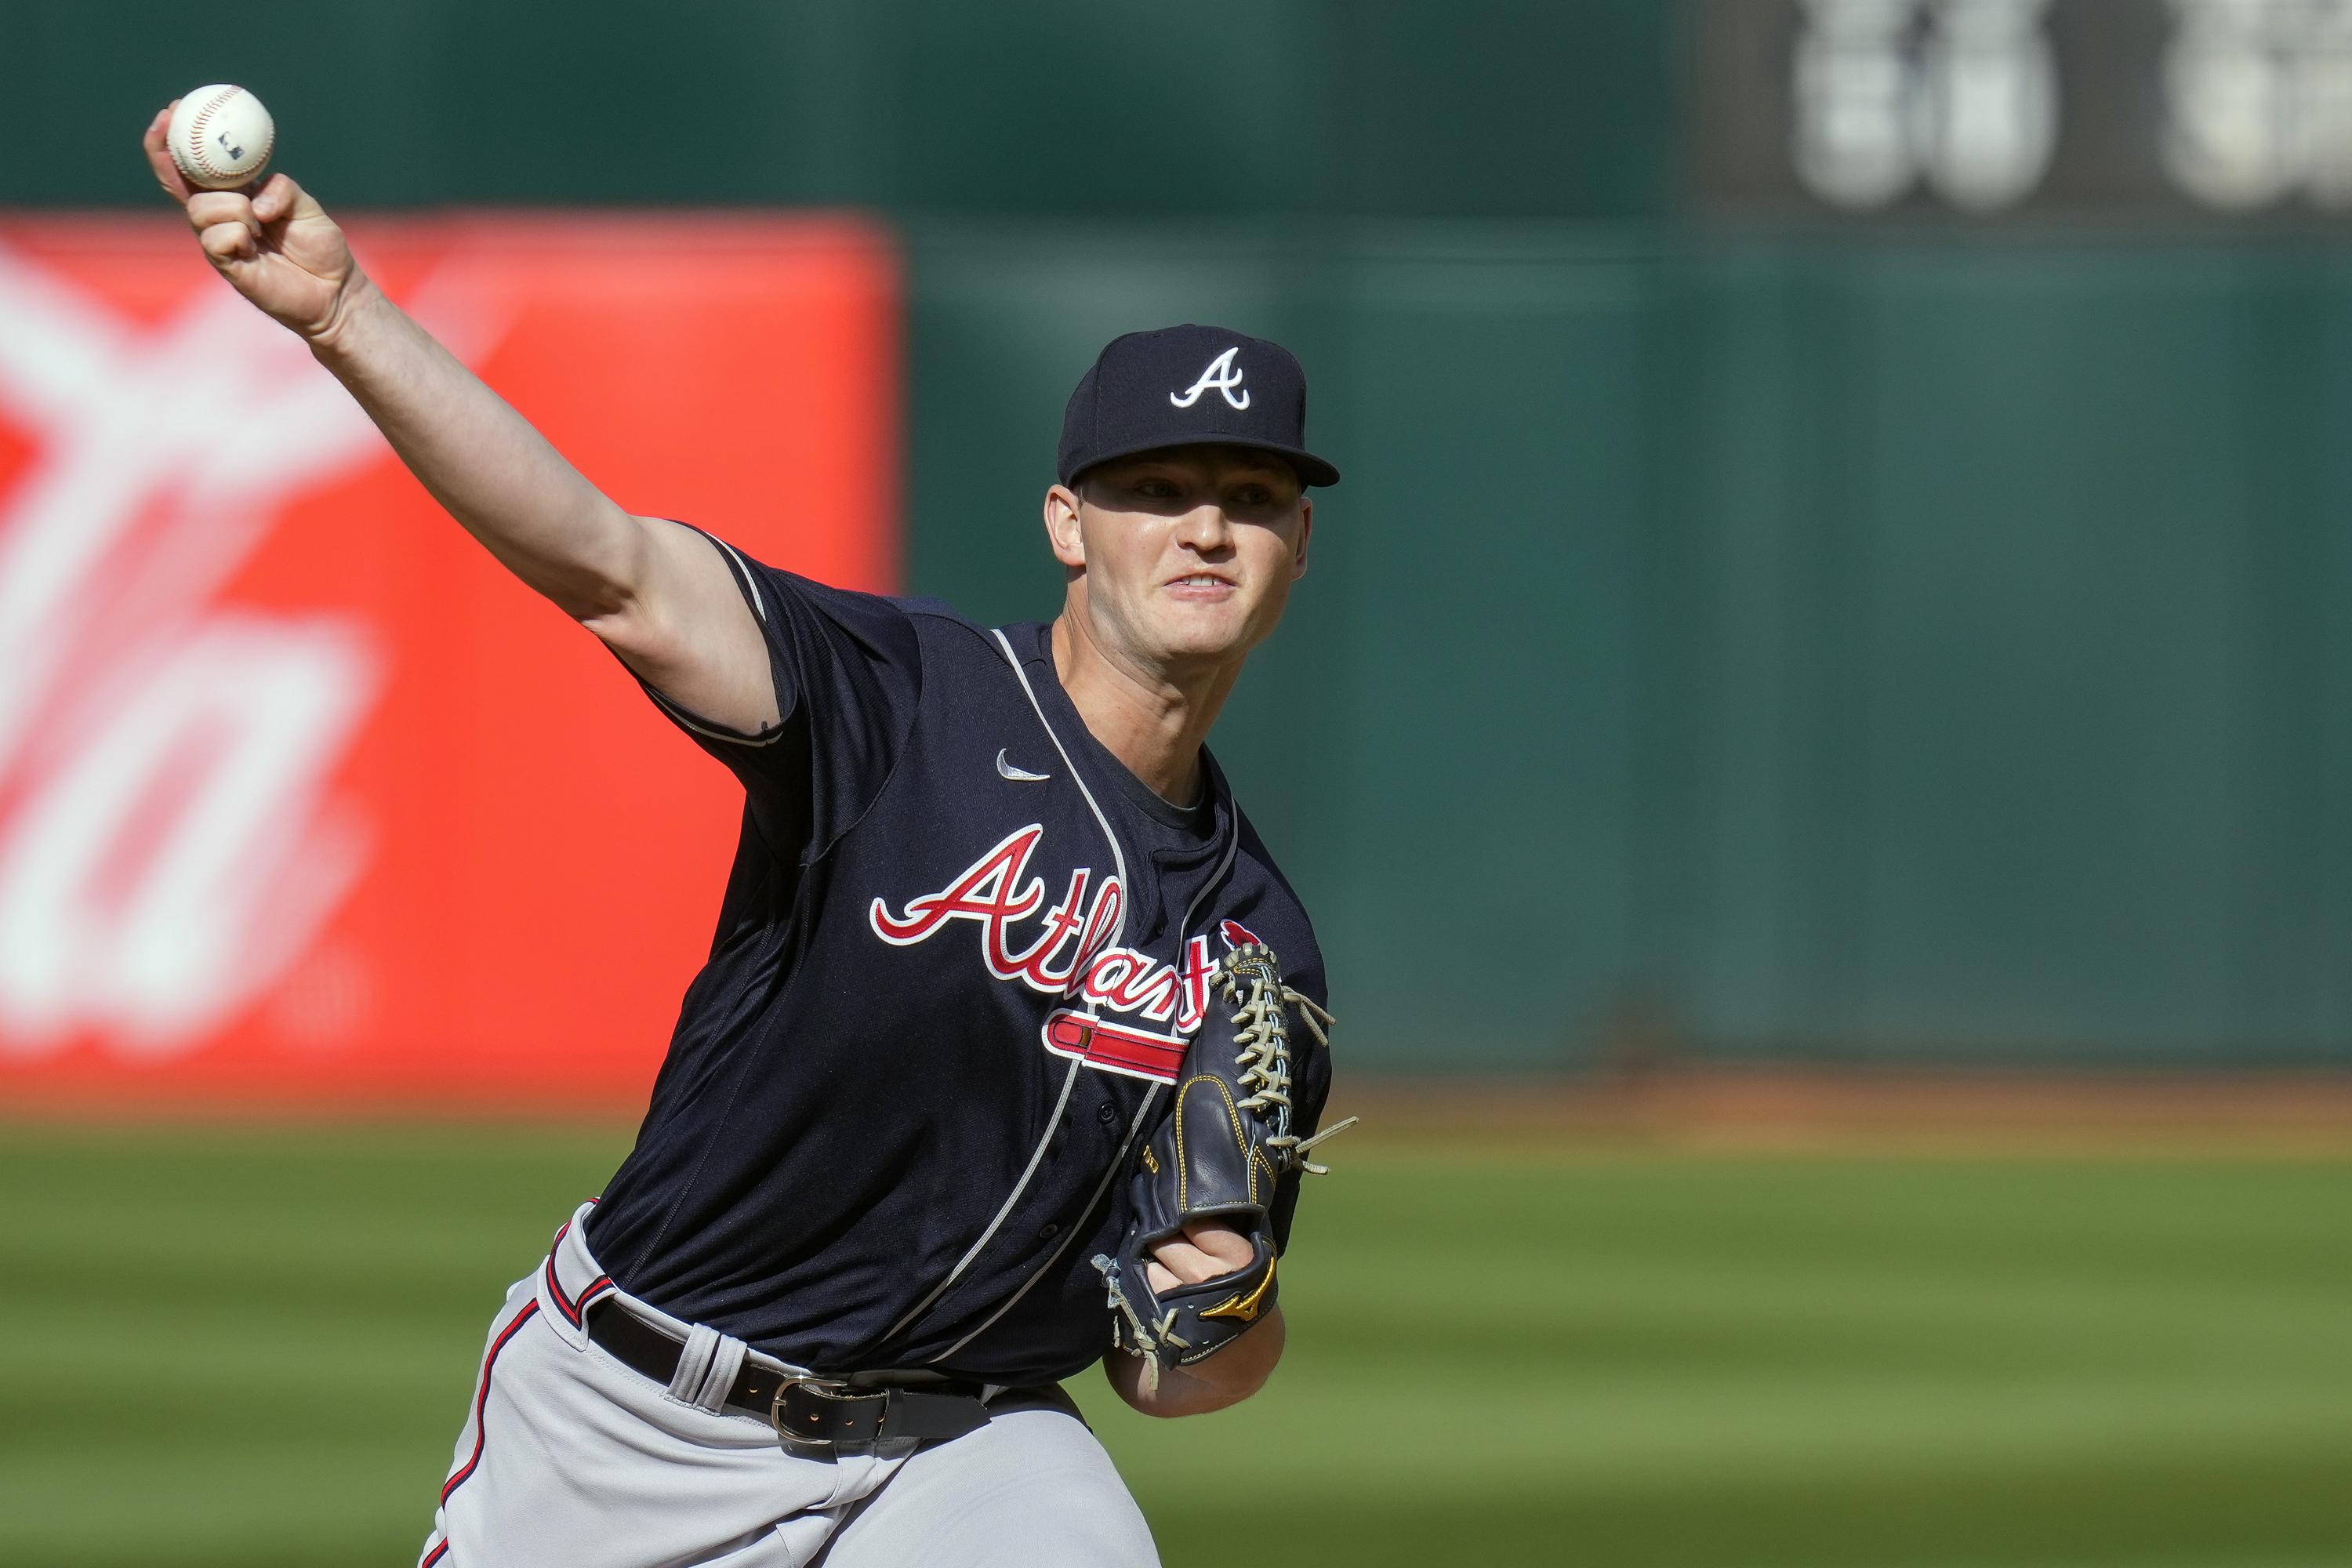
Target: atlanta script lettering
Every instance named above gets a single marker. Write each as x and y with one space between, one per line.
1063 952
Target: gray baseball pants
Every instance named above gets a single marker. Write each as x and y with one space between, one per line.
570 1459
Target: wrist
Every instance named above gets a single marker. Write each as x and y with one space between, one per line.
359 307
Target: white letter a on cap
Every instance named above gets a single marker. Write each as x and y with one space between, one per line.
1221 374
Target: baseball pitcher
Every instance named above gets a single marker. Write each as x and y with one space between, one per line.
1010 1051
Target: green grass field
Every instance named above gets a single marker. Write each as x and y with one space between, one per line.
255 1347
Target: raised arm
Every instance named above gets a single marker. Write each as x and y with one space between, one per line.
658 595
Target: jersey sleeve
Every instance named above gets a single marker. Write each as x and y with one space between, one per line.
847 668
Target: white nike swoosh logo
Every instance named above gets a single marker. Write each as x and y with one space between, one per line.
1018 775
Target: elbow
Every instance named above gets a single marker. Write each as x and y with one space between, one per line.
607 594
621 624
597 568
618 618
600 603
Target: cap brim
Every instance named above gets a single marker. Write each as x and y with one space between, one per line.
1311 470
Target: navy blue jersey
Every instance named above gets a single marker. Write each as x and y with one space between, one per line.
958 957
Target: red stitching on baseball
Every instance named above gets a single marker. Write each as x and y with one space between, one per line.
196 132
197 136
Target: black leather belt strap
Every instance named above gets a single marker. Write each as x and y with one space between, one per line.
822 1412
811 1414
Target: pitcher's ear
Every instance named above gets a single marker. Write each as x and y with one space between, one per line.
1063 533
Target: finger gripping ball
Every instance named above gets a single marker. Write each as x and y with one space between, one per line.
220 136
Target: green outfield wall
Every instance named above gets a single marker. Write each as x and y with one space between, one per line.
2002 650
1487 108
1850 648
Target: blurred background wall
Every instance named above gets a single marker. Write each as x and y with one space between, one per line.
1843 560
1843 550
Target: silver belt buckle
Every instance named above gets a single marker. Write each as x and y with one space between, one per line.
793 1440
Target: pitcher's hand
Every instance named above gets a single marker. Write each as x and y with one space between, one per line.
1207 1249
276 245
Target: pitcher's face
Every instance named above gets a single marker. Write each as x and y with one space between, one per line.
1185 556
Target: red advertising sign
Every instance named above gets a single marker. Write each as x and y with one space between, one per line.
303 800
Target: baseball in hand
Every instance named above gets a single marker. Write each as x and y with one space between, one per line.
220 137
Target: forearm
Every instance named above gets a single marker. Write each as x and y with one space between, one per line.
1228 1377
481 460
658 593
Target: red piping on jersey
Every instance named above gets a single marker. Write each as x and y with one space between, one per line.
482 1402
436 1555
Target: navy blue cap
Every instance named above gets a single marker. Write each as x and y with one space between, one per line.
1183 385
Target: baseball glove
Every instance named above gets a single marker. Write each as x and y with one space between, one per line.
1225 1144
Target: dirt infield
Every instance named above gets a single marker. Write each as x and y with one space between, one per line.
2298 1114
1728 1109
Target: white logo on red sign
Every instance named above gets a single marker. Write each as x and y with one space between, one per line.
168 844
